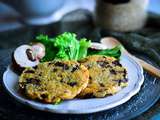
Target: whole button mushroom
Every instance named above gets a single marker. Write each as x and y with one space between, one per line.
38 50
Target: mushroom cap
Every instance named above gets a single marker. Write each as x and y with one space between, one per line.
38 50
23 56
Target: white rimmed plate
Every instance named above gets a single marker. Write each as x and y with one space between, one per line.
82 106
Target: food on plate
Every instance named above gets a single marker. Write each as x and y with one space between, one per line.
106 76
27 56
64 67
65 47
54 81
38 50
114 52
23 57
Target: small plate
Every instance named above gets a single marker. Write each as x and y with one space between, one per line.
83 106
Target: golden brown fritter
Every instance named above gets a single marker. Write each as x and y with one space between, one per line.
54 81
106 76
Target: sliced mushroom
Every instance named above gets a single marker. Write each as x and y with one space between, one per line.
23 57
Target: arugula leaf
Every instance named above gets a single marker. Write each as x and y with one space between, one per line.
114 52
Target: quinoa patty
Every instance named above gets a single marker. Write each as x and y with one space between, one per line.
106 76
54 81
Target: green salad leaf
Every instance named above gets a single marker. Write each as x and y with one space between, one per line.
68 46
65 47
83 49
114 52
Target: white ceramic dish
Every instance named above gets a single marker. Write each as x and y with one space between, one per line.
83 106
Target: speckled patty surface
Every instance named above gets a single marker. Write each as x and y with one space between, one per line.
106 76
53 81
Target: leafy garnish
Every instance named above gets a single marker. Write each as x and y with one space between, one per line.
58 101
64 47
114 52
50 50
67 47
83 49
